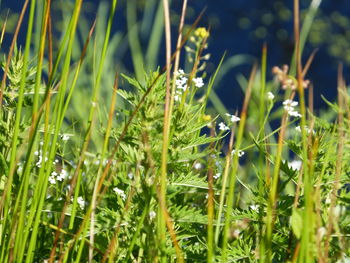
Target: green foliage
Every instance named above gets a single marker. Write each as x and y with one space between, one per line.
76 187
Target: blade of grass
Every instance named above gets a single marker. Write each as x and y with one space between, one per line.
233 172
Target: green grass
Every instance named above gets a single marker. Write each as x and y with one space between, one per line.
99 164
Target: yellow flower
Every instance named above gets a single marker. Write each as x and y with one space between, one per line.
206 117
201 32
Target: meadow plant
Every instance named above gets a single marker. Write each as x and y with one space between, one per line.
148 174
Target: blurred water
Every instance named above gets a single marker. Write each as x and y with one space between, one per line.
242 26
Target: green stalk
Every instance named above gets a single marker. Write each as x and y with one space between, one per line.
6 198
104 151
262 122
210 212
33 133
308 216
155 39
233 173
59 113
96 92
166 130
305 30
134 42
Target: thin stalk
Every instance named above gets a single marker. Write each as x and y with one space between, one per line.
90 119
133 37
57 121
166 128
262 122
228 160
26 176
104 150
210 230
233 173
273 195
338 168
177 55
6 198
308 217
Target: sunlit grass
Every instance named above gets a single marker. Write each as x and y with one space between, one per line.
97 165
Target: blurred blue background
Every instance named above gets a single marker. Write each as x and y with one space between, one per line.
241 27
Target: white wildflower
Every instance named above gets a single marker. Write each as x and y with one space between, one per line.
152 215
198 166
38 163
289 107
239 153
233 118
130 175
65 137
120 192
223 127
290 103
308 130
81 202
179 72
198 82
217 175
270 95
52 179
63 175
294 114
19 168
254 208
181 83
295 165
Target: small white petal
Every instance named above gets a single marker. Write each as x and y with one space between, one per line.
152 215
223 127
270 95
235 118
295 165
198 82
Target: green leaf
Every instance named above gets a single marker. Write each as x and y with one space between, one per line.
296 222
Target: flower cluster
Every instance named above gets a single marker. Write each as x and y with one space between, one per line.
289 107
65 137
80 201
270 95
120 192
286 80
308 130
233 118
40 158
295 165
181 83
201 32
223 127
54 177
239 152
